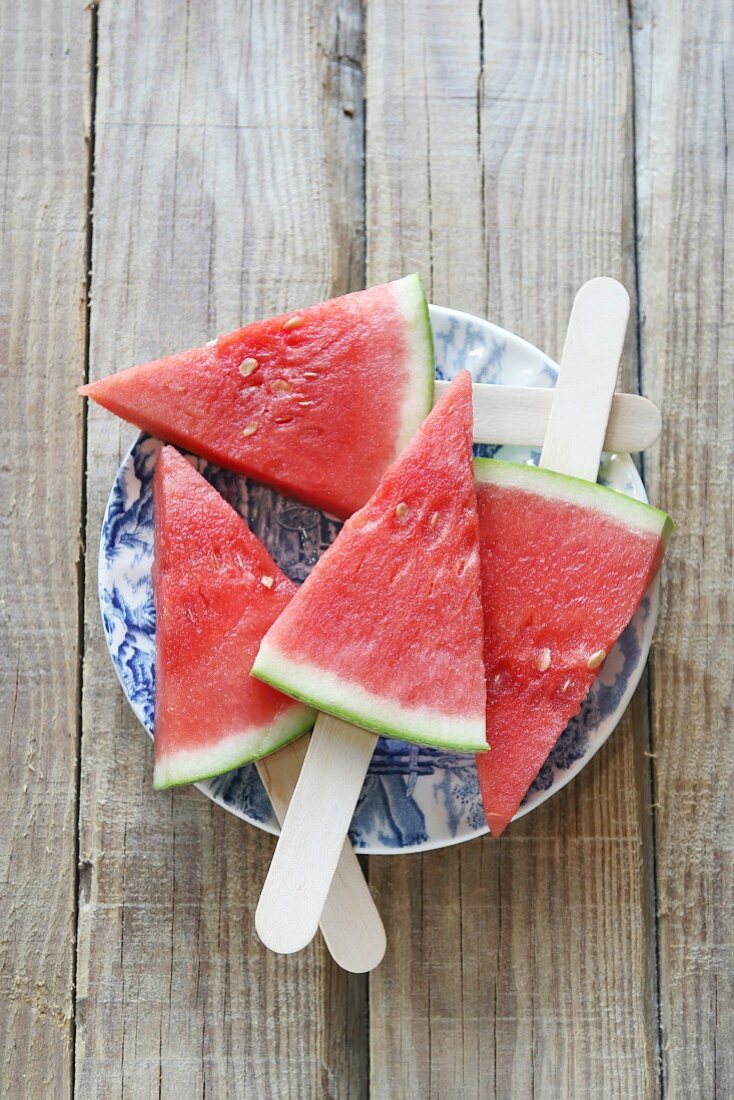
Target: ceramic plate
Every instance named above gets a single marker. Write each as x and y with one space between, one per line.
414 798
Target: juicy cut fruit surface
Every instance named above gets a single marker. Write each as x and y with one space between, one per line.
564 564
217 590
387 630
316 403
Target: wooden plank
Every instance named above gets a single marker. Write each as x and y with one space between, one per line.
685 107
43 223
499 162
228 186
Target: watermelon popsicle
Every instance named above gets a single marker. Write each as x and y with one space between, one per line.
396 597
216 591
318 402
574 559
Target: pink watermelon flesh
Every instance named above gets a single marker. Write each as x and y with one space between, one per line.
217 590
387 631
564 566
316 403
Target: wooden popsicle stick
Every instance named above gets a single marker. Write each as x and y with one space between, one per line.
321 808
339 754
577 425
519 415
350 922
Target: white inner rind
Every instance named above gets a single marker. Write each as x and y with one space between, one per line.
328 691
191 765
574 490
411 300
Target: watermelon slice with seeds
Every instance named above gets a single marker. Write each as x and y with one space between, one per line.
217 590
316 403
387 630
564 564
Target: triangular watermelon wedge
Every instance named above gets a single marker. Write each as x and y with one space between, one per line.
316 403
565 564
387 631
217 590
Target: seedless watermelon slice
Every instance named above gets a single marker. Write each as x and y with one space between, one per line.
564 564
396 597
217 590
316 403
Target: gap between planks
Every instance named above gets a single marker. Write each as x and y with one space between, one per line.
82 561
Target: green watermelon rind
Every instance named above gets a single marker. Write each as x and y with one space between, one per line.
418 401
174 772
301 681
635 514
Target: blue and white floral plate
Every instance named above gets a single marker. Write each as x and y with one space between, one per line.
414 798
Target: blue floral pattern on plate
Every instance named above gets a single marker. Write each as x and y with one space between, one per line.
414 798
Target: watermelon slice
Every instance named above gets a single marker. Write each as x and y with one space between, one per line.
217 590
316 403
387 631
564 564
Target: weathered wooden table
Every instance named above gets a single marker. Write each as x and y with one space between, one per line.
213 161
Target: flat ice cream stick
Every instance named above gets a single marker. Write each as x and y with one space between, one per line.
336 763
574 438
294 897
519 415
350 922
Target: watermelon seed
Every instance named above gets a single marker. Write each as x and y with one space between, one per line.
433 520
267 581
292 322
401 510
280 386
249 429
544 660
247 366
310 374
596 659
282 419
305 403
566 685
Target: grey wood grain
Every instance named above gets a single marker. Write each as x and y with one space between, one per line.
504 154
499 161
228 186
43 174
685 107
